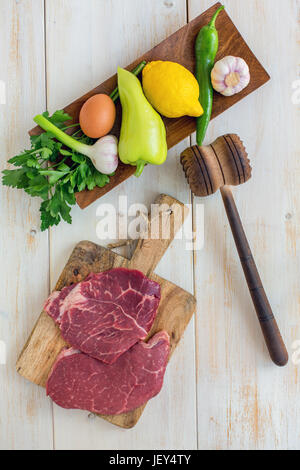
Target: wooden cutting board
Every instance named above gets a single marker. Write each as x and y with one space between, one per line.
179 47
175 310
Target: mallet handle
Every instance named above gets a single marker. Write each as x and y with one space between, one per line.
262 306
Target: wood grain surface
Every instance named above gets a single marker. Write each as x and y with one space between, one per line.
175 309
244 401
22 251
179 47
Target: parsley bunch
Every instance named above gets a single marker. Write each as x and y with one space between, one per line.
53 173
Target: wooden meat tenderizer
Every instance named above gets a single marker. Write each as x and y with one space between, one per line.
209 168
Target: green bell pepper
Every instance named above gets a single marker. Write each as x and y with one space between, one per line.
143 133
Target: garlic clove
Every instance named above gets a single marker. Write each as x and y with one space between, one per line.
222 68
219 86
232 63
229 91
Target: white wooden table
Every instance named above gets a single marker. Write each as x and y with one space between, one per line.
221 389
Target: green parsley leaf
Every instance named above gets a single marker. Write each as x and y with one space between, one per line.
45 153
15 178
38 187
54 176
20 160
101 180
58 118
68 173
78 158
47 220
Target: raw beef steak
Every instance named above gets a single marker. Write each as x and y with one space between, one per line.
54 302
78 381
107 313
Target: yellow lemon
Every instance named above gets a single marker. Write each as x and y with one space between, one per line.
171 89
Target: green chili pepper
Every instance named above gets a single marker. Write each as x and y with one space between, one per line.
206 48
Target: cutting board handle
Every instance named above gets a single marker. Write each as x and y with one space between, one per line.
166 218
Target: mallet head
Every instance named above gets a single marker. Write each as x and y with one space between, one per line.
224 162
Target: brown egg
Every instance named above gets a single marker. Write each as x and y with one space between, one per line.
97 116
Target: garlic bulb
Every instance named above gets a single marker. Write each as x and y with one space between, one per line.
230 75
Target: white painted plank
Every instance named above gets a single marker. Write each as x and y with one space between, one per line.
246 402
95 37
25 413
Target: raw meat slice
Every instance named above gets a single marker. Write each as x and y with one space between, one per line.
53 304
78 381
106 314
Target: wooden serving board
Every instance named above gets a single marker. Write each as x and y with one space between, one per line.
179 47
175 310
